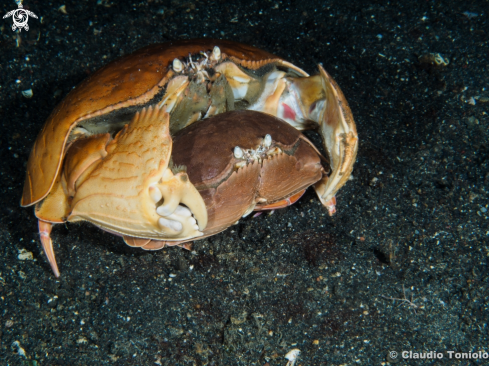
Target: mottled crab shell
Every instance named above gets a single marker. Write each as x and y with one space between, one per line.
119 90
206 147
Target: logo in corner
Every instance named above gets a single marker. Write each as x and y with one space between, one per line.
20 17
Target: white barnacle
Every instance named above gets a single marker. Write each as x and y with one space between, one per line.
216 54
177 65
267 141
238 152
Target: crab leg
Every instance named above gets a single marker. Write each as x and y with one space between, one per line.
47 245
319 99
340 137
281 204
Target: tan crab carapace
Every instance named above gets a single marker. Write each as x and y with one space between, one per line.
90 163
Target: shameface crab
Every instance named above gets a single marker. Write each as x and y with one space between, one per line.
105 153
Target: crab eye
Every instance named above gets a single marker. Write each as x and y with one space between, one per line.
267 141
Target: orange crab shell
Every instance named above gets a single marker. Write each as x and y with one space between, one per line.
131 81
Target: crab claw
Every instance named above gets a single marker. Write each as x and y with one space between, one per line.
176 218
134 191
319 99
340 138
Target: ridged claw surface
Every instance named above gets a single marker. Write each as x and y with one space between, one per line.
120 193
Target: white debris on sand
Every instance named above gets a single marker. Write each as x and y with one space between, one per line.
25 255
292 356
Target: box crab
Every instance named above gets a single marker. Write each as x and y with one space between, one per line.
105 152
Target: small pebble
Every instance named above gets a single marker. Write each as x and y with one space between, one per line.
24 255
27 93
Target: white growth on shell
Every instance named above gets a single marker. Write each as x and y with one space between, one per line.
238 152
216 54
263 151
177 65
198 68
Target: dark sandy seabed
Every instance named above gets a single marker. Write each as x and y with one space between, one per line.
412 224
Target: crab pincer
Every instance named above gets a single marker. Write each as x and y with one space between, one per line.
127 187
